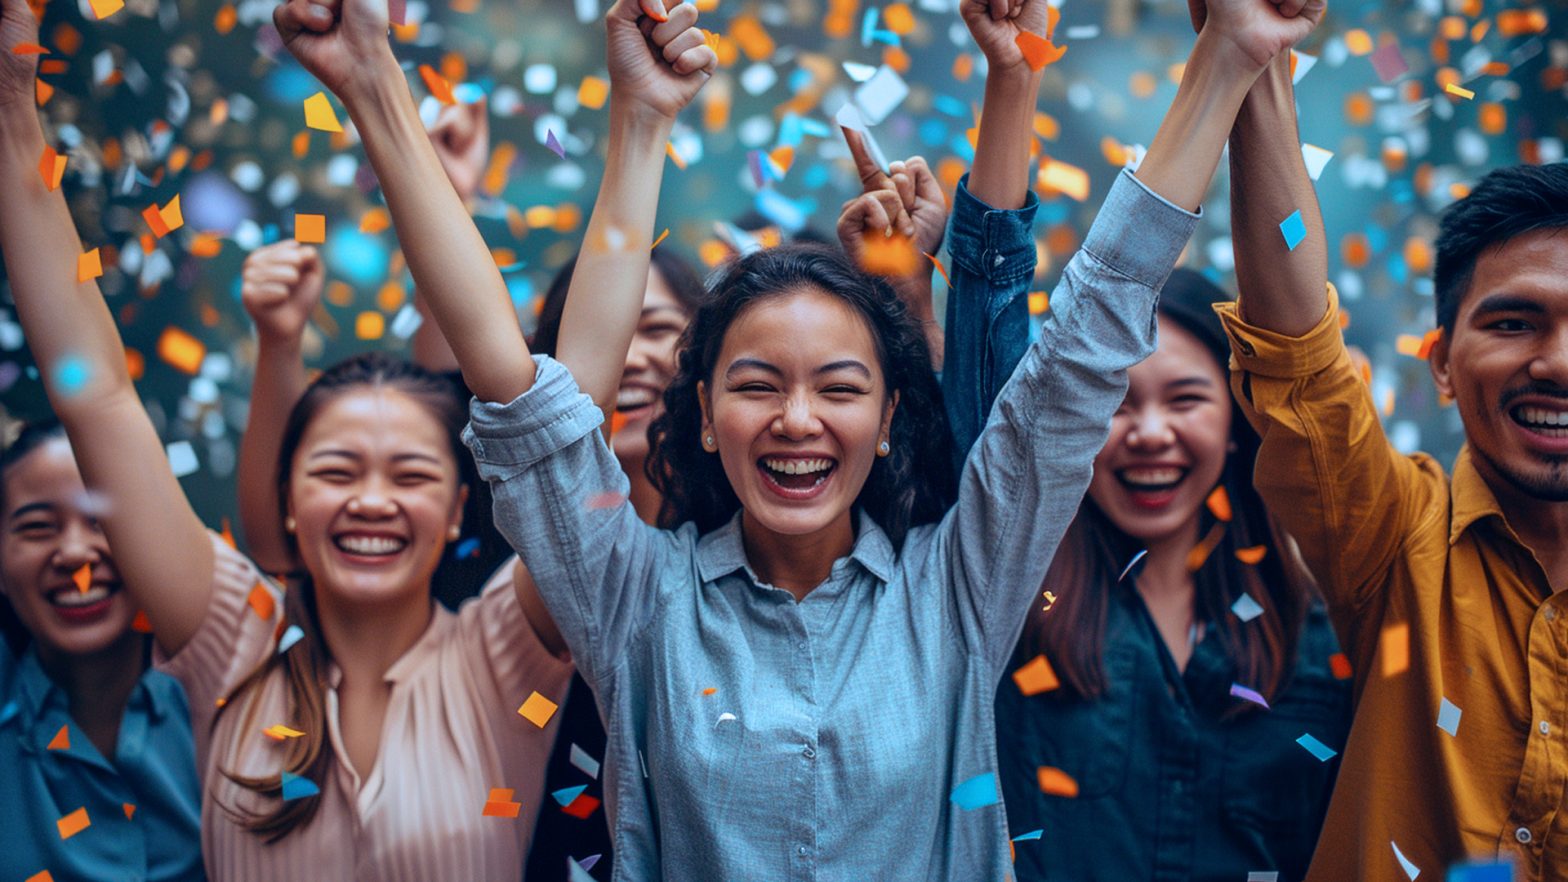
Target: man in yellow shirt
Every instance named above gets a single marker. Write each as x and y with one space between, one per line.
1446 590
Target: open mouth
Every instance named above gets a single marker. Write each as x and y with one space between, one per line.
1151 486
77 606
369 545
634 400
1549 422
796 477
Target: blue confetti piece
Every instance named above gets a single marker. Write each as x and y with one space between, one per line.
10 710
1239 691
468 93
1411 870
1246 608
1448 718
951 106
1322 751
566 796
70 375
295 787
1490 871
868 26
1132 563
1293 229
977 792
1032 834
816 128
551 142
291 636
467 548
792 130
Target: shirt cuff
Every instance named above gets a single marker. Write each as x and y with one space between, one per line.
993 243
1272 354
508 438
1139 233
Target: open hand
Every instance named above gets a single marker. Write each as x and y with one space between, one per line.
658 57
18 25
1260 29
280 287
996 24
338 41
461 137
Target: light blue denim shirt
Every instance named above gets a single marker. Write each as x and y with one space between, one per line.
153 769
753 737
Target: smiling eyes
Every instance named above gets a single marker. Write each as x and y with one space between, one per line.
1508 325
342 476
844 390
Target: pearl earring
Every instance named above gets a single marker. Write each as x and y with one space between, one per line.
289 524
454 533
884 449
709 443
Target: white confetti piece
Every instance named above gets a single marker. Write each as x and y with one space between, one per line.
182 459
1246 608
881 95
1316 158
1411 870
587 764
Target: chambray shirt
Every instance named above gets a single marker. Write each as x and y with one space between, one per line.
143 808
756 737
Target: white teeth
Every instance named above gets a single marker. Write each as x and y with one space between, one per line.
798 466
72 597
1151 476
1542 417
630 398
370 544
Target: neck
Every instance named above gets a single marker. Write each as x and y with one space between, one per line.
798 564
1164 577
365 640
98 685
644 497
1542 525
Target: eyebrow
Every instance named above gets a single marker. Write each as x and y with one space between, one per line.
652 310
849 364
349 454
1508 303
1190 381
30 508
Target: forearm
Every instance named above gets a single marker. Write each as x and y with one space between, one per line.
280 381
451 265
604 302
1282 289
1000 174
430 349
1181 161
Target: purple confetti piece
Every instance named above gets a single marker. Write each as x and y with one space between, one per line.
553 144
1239 691
1389 62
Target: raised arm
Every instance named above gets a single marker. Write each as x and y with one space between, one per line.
160 547
279 286
461 137
344 43
1031 465
658 60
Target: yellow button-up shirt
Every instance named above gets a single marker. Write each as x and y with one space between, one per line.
1459 747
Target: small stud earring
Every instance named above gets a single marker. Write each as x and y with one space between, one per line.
709 444
453 533
290 525
884 449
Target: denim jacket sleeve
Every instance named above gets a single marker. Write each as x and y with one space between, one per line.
561 501
1022 482
987 330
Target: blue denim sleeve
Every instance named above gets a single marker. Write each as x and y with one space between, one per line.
561 501
992 257
1023 481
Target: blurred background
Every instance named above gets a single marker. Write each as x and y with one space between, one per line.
198 99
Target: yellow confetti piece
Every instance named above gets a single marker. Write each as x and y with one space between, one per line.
1036 677
1056 176
51 168
280 732
661 238
319 114
1039 302
310 229
181 351
675 155
370 325
73 823
165 220
1458 91
593 92
89 266
105 8
537 710
1394 648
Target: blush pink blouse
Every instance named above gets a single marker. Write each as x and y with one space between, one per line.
451 735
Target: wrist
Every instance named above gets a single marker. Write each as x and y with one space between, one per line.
376 83
1013 84
274 344
1220 54
633 122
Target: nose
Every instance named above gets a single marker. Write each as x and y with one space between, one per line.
1550 364
1150 430
797 420
373 501
79 544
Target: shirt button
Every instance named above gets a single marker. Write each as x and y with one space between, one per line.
1546 728
808 753
801 850
1523 835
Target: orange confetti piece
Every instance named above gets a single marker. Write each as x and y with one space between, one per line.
165 220
226 19
747 30
1252 556
893 255
40 876
1358 41
206 245
83 577
1039 52
675 155
89 266
899 18
130 810
1339 665
319 114
593 92
1219 503
661 238
105 8
141 624
370 325
537 710
1518 22
181 351
1057 782
1199 554
1056 176
710 690
939 268
43 92
310 229
61 739
1039 302
437 84
375 221
51 168
28 49
1036 677
496 809
1394 647
261 602
73 823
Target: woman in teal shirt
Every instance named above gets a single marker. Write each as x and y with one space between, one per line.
95 746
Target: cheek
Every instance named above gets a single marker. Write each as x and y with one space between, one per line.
1206 434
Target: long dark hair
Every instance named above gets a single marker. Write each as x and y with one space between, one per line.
1094 552
305 665
913 485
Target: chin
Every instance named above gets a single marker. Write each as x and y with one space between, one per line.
90 638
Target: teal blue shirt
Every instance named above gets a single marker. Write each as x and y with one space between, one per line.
153 769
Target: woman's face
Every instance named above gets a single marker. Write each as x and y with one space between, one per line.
1168 440
650 366
796 407
374 496
50 533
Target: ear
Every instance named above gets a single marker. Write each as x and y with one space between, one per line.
887 414
704 405
1437 362
458 506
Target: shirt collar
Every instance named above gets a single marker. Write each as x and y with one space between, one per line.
1471 498
428 644
722 551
